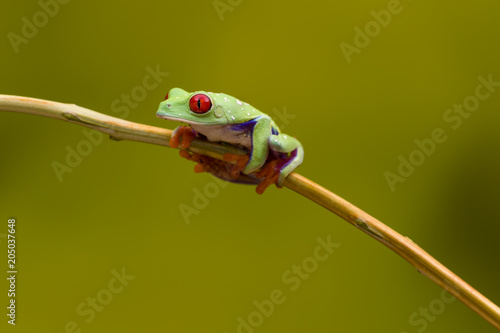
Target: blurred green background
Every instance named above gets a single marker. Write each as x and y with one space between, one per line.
118 210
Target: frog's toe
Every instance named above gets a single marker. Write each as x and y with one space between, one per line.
185 154
241 162
199 168
188 136
182 135
175 138
270 172
265 183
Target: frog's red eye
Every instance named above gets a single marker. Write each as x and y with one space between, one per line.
200 103
166 97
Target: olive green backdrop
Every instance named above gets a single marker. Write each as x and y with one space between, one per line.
356 86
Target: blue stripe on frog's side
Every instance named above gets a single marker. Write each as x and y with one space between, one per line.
246 126
244 132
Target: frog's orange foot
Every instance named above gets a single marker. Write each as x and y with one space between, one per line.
182 135
270 172
231 169
201 165
241 162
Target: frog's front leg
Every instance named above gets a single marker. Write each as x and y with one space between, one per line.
182 135
260 135
284 143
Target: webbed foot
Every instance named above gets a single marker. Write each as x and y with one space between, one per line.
241 162
182 135
225 170
270 172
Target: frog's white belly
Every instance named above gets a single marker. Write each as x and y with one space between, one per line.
225 133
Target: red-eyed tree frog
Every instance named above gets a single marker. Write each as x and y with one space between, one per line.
223 118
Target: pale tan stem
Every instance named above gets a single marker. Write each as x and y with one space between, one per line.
403 246
117 128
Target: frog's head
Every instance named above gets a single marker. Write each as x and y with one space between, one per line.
197 108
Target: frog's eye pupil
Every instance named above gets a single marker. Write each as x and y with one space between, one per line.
200 103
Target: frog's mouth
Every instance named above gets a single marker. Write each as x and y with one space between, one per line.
167 117
173 118
182 120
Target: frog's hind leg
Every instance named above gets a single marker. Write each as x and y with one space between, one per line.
270 173
283 143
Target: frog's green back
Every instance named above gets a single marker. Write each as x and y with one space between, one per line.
225 109
236 111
